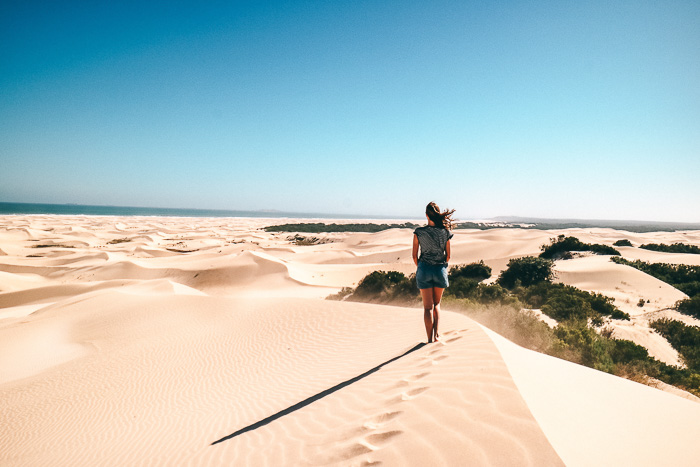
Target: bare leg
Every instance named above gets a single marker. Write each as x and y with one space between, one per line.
427 295
437 296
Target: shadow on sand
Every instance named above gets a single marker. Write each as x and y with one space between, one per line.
314 398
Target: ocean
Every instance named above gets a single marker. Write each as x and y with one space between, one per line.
82 209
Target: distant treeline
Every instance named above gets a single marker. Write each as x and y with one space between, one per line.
320 227
674 248
637 228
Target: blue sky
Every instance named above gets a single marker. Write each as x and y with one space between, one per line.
547 109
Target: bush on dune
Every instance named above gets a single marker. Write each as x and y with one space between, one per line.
689 306
526 271
560 246
385 286
623 242
565 302
462 287
674 274
685 339
475 271
674 248
691 289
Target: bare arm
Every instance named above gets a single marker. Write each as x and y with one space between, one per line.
415 249
447 251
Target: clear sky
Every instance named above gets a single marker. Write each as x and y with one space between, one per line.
549 109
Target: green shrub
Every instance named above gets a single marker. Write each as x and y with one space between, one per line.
685 339
462 287
385 286
623 242
691 289
491 293
564 302
689 306
476 271
581 344
625 351
559 247
526 271
674 248
563 307
118 240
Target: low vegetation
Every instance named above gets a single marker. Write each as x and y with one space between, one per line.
623 242
580 335
301 240
562 246
689 306
685 339
118 240
684 277
674 248
51 246
320 227
567 303
526 271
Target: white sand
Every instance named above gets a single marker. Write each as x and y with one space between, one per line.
148 351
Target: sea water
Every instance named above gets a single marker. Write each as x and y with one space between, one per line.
81 209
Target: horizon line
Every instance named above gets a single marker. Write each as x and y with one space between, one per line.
328 215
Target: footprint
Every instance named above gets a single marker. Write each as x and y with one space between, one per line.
381 419
353 433
380 439
418 376
454 339
402 383
407 380
405 396
354 450
440 357
413 393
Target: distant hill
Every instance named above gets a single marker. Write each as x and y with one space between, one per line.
632 226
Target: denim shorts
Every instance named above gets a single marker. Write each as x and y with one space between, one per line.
431 275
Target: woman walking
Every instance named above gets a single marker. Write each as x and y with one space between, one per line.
431 276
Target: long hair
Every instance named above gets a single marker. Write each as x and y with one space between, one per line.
440 218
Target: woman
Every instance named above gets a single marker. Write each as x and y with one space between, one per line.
431 276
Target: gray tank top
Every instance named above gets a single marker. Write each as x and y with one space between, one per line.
432 241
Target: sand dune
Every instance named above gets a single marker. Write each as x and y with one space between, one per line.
146 340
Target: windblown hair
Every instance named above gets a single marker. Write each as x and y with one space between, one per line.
440 218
